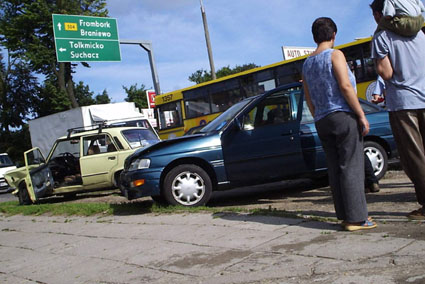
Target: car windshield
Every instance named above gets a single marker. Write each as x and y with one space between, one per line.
225 117
140 137
66 147
5 161
34 158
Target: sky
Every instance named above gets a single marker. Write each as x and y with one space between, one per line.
241 32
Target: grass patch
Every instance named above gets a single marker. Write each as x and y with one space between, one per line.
79 209
90 209
135 208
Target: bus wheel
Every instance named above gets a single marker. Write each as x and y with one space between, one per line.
23 196
187 185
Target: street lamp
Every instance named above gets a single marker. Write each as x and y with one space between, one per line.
207 38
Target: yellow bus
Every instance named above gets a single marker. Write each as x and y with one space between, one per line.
180 110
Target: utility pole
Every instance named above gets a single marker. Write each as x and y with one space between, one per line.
147 45
207 38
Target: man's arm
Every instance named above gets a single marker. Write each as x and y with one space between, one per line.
340 68
384 68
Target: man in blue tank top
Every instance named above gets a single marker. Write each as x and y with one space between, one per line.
400 61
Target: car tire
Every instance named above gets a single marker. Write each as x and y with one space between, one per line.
23 196
118 183
378 158
188 185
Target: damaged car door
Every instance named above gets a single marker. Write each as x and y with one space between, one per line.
39 179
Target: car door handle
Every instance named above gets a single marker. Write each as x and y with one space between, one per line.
111 158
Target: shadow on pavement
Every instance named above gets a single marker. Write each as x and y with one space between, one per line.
282 218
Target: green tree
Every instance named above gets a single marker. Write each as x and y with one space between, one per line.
50 100
26 30
136 95
17 86
83 95
103 98
201 76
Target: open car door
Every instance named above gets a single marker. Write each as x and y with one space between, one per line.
39 179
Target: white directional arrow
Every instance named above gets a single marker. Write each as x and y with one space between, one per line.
62 49
59 26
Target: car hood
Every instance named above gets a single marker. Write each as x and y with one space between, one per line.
14 171
179 144
13 177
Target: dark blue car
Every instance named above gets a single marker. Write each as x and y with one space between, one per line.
261 139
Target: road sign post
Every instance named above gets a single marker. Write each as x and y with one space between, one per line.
83 38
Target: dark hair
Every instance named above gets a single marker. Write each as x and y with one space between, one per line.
323 29
377 6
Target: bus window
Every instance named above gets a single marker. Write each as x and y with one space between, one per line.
224 94
196 102
289 73
170 115
266 80
267 85
248 85
360 62
257 83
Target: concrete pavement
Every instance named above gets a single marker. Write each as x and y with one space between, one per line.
206 248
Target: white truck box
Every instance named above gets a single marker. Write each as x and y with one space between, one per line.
45 130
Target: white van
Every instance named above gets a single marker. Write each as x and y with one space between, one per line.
5 166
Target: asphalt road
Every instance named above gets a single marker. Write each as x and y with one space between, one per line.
7 197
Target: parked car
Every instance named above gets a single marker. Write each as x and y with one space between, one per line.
6 165
261 139
78 162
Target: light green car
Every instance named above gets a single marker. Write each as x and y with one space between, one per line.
78 162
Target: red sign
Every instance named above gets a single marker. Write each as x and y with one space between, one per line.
151 98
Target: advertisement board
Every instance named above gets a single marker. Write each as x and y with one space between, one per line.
291 52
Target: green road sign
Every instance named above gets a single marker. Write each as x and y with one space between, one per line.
82 38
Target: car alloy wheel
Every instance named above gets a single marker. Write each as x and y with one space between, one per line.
187 185
378 158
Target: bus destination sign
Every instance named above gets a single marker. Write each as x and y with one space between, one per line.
83 38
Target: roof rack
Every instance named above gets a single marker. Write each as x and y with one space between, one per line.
98 126
80 129
123 120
